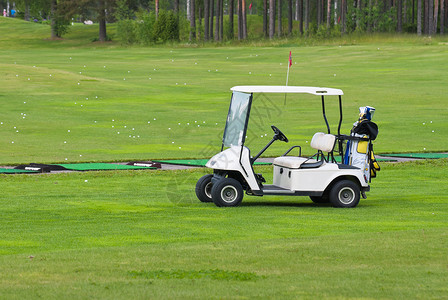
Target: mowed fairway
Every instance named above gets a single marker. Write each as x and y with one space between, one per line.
143 234
65 102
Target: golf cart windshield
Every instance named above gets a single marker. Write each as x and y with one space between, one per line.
236 125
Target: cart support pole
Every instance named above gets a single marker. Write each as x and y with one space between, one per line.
323 112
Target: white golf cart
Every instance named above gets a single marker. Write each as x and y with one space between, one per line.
320 177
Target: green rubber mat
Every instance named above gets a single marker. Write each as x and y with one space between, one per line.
419 155
195 162
101 167
15 171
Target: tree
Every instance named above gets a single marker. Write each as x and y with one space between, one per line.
218 15
212 13
279 18
289 17
271 18
265 18
300 16
442 16
102 20
328 14
307 15
244 15
436 15
192 21
206 19
431 17
231 7
399 16
419 17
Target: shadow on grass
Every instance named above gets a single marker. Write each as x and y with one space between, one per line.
284 204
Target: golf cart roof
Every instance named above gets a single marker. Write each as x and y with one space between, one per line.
320 91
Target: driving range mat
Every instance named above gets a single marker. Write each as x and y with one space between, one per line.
16 171
102 167
195 162
419 155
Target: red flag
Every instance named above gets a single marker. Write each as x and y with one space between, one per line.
250 5
290 59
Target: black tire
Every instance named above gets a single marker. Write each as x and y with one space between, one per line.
345 193
204 188
227 192
320 199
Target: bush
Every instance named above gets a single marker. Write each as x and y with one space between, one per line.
145 27
126 32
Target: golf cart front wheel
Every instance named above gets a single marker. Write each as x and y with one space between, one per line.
204 188
227 192
345 193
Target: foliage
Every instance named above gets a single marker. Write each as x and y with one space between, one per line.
166 27
126 31
145 27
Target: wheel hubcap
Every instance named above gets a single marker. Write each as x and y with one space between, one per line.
346 195
208 190
229 193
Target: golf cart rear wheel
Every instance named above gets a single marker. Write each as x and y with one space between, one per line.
204 188
227 192
320 199
345 193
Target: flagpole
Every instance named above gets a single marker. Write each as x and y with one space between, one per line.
287 78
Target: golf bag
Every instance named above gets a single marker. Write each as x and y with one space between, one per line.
359 149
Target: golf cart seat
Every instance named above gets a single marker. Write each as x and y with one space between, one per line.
321 142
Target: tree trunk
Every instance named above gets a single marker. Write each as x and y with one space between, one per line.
301 16
240 20
206 19
343 5
221 20
318 13
290 17
296 16
405 11
192 21
419 17
413 11
231 2
27 10
244 15
328 14
436 15
279 18
217 14
399 16
271 18
307 15
54 33
431 17
212 13
442 17
176 6
157 8
265 18
102 20
336 12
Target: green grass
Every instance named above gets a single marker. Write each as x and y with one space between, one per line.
134 234
95 90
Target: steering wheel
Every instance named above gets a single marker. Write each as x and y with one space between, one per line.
280 135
